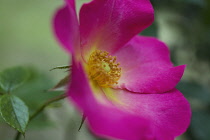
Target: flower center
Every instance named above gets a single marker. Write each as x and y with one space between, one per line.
103 68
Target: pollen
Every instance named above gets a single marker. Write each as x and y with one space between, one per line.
103 69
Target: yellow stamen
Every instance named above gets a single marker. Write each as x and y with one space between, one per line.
103 69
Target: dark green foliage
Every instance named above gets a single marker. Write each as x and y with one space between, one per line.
34 93
199 97
30 90
200 125
151 30
12 78
194 91
14 111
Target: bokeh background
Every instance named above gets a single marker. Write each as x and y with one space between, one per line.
26 39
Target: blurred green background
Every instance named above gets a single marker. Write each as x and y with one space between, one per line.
26 39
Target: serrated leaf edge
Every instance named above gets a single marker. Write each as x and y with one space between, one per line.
23 132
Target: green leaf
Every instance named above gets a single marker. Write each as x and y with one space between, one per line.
12 78
1 91
34 93
14 111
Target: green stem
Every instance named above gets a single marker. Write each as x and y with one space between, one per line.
40 109
18 134
60 97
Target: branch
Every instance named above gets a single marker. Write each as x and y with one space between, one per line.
40 109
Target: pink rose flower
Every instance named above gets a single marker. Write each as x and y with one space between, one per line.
123 83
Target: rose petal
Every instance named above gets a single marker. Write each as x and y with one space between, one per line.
137 116
66 27
168 112
109 24
146 66
105 119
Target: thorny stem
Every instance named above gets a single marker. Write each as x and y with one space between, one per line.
40 109
83 120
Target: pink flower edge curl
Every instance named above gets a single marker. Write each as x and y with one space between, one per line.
123 83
